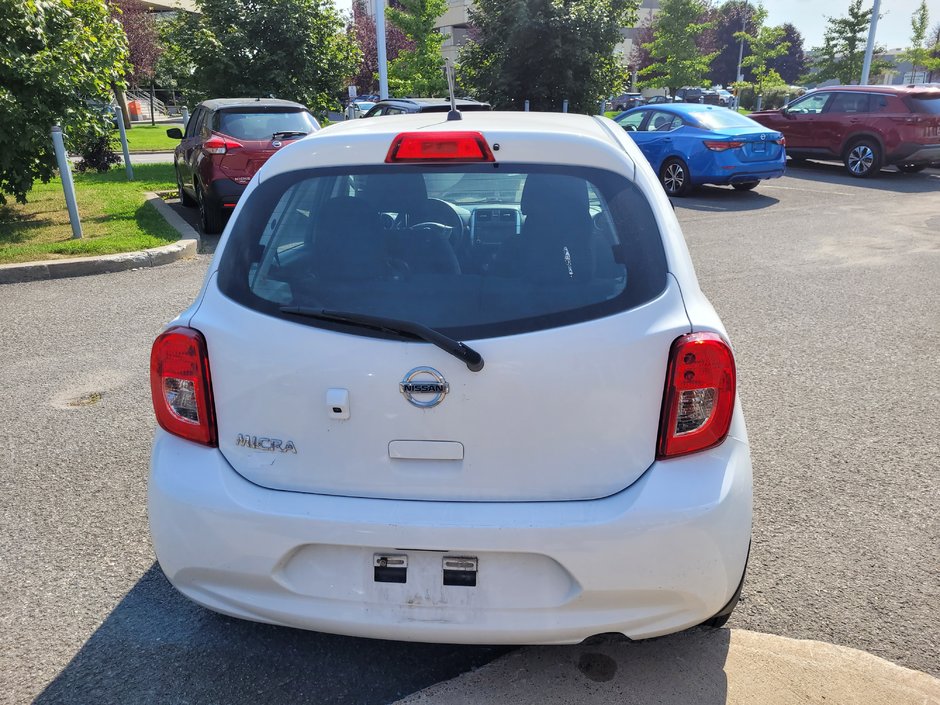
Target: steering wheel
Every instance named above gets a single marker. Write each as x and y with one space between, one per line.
429 226
440 212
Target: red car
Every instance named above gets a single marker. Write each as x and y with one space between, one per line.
866 127
226 142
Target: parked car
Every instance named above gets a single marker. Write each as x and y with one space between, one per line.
401 106
453 381
657 99
866 127
625 101
689 95
689 145
725 98
226 141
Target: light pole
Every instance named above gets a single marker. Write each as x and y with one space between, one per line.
380 47
870 47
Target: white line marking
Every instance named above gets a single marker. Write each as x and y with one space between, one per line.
811 190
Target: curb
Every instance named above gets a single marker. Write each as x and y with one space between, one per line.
184 248
708 667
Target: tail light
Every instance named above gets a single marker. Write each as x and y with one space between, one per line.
699 398
217 144
722 145
782 141
439 146
180 385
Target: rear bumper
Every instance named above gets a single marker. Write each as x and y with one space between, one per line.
225 192
917 154
724 169
665 554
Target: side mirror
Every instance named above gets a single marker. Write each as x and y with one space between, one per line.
175 133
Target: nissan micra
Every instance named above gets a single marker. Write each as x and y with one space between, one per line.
453 381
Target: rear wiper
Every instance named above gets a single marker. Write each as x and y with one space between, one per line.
289 133
464 353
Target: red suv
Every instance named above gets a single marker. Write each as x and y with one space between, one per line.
226 142
866 127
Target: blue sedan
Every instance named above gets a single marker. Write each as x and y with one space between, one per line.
690 144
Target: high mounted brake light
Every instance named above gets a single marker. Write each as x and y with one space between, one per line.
439 146
181 387
699 398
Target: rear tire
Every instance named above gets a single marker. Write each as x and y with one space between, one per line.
675 178
862 158
744 186
911 168
210 213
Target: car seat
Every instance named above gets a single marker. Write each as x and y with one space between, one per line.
555 244
348 242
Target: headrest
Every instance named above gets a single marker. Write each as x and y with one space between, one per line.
395 193
554 193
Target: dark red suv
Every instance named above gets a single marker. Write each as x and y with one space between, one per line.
226 142
866 127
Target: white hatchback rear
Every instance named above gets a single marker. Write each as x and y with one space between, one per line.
453 381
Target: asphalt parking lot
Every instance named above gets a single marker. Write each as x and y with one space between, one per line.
828 287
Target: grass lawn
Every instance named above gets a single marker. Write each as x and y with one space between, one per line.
115 217
143 137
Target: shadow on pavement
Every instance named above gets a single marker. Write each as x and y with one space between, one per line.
888 179
724 199
157 647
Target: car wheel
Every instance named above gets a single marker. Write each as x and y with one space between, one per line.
185 198
674 176
744 185
911 168
863 158
210 214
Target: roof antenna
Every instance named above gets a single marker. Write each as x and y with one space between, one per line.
454 114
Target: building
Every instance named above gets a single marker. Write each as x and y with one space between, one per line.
455 23
644 14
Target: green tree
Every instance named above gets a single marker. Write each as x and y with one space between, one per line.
58 59
919 53
766 43
677 59
546 51
791 65
843 51
418 71
292 49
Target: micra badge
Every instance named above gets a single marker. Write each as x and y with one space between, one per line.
270 445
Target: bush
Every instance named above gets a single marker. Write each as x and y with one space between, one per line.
97 152
774 98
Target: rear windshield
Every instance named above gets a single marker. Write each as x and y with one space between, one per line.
926 104
262 124
721 119
474 251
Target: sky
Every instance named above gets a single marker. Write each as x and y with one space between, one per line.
809 16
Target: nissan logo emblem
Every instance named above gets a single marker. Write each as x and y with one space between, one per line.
424 387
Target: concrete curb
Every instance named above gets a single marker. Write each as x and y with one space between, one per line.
705 667
184 248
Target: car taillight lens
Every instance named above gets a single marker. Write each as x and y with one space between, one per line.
439 146
722 145
181 387
699 398
219 145
782 141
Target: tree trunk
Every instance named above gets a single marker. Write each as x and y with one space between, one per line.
122 103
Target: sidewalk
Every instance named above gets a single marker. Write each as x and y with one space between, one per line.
699 667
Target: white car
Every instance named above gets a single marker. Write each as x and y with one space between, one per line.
453 381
